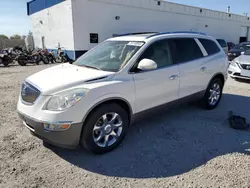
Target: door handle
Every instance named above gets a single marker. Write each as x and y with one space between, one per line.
203 69
173 77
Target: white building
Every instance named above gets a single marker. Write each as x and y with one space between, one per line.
78 25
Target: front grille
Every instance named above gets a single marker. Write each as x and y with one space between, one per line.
246 67
29 93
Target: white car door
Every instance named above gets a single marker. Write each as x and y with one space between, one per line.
192 66
159 86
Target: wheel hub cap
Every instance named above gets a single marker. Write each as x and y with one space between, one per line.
108 129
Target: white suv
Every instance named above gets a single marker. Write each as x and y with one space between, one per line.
93 101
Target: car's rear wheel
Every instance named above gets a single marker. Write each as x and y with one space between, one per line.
213 94
105 128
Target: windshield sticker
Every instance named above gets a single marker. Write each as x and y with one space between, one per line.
135 44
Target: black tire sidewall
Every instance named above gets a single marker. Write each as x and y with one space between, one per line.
21 62
87 138
5 63
64 59
207 94
45 60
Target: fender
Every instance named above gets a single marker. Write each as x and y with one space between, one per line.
102 100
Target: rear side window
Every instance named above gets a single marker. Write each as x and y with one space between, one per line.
210 46
185 49
222 43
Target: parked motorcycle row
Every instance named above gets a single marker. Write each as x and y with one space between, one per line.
23 57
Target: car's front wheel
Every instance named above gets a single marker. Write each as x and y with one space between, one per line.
105 128
213 94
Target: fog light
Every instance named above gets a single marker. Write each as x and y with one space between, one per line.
56 127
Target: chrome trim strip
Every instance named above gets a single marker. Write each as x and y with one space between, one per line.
27 126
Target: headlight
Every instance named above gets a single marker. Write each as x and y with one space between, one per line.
64 100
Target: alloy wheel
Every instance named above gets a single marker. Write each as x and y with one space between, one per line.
214 94
107 129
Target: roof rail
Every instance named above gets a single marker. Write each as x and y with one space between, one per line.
177 32
139 33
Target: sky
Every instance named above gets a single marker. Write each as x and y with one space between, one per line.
14 19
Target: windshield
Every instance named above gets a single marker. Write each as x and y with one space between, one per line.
110 55
242 46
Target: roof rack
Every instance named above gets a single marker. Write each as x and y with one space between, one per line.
139 33
177 32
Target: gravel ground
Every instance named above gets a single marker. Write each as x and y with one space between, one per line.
182 147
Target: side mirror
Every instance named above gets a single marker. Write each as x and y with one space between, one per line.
242 53
147 64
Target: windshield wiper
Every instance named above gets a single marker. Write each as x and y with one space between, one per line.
90 67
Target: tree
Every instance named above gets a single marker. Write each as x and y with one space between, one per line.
15 37
3 37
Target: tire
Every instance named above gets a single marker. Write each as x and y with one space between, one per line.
21 63
96 116
51 60
206 100
64 59
45 60
5 63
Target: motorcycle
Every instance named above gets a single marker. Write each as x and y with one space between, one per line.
5 57
61 56
32 58
49 55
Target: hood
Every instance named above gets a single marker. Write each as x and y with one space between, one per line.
236 51
64 76
244 59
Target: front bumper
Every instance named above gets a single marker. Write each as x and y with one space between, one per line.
66 139
235 72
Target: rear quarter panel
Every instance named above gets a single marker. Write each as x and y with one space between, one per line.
217 64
